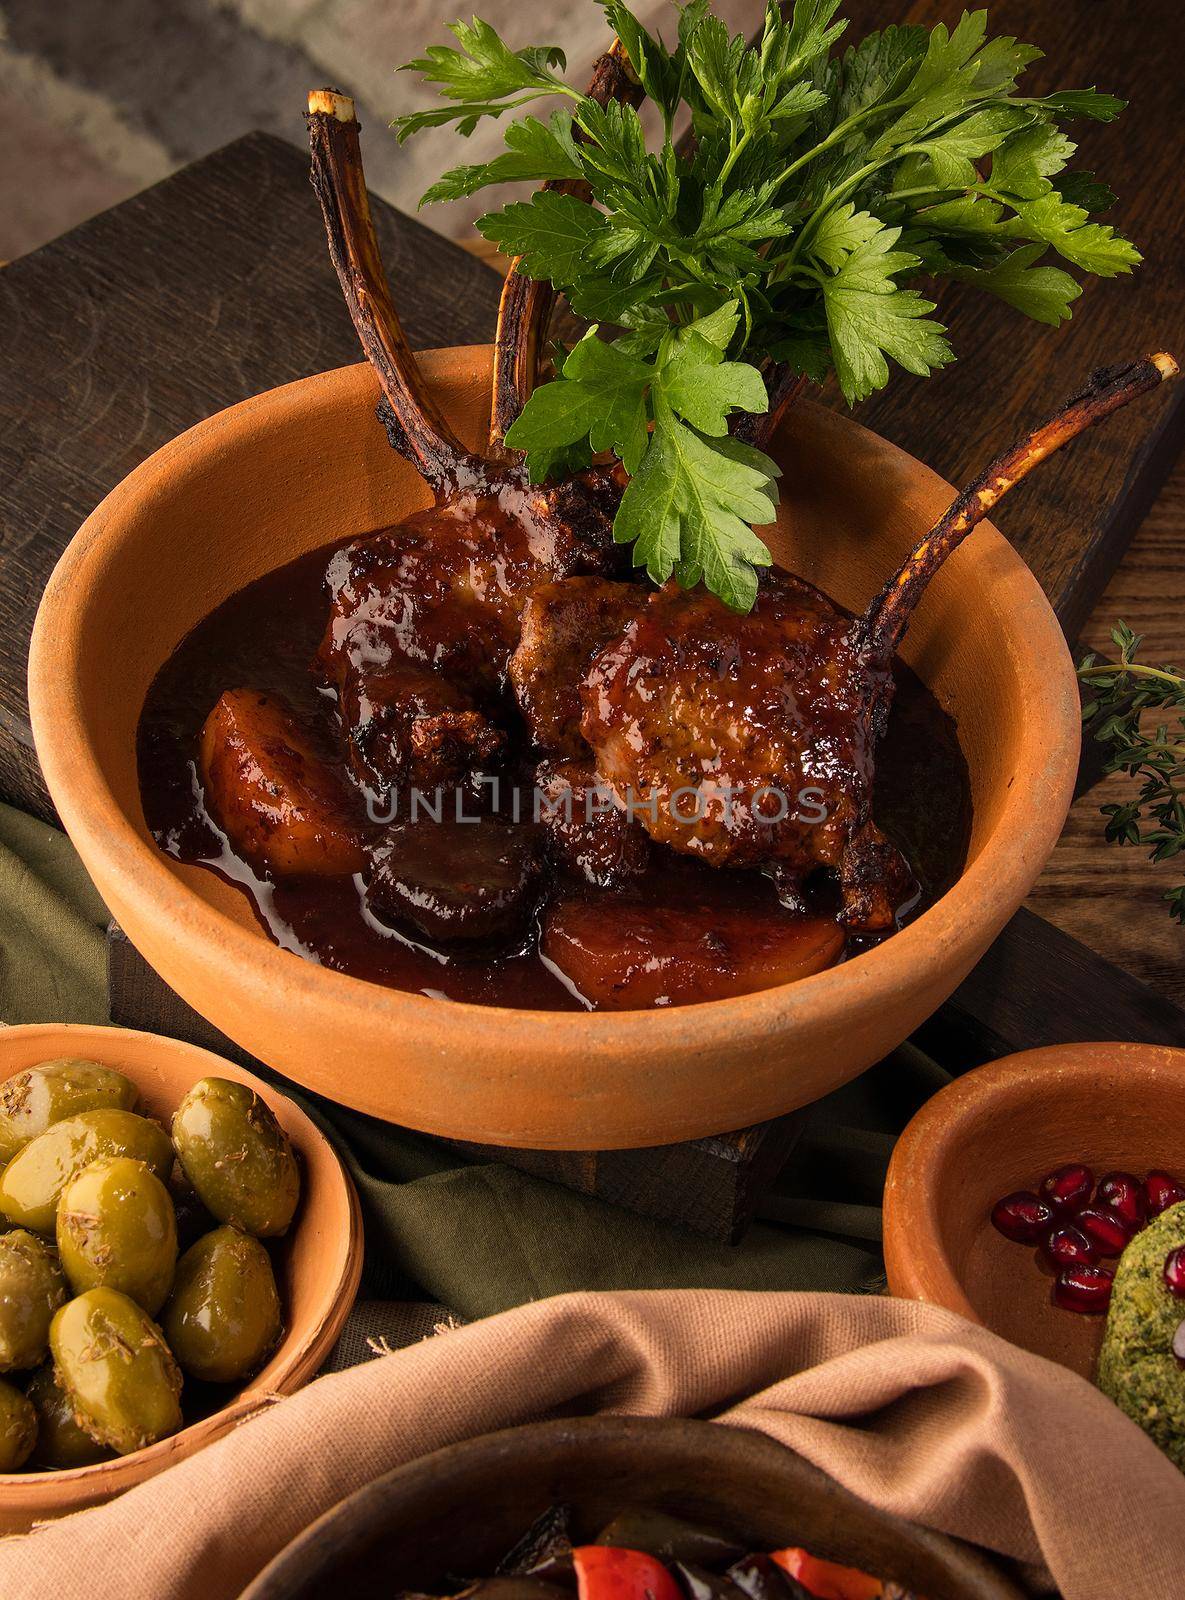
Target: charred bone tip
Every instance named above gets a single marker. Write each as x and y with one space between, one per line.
331 103
880 630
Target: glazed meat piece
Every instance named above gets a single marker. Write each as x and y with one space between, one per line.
740 739
282 807
467 882
563 627
587 831
876 882
409 725
621 952
445 590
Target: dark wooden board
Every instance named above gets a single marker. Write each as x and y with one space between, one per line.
1038 986
1073 520
210 287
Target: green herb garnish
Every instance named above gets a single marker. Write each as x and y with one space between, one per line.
817 191
1120 694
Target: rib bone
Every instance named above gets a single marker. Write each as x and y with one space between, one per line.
880 630
526 302
420 430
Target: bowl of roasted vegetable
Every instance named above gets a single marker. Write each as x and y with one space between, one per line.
476 763
181 1245
621 1508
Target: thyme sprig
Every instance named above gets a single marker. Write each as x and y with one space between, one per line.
1121 693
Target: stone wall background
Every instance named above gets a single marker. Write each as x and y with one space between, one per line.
100 98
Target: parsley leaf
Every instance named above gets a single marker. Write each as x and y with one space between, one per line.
552 232
536 152
483 72
692 489
600 395
824 184
1094 246
870 317
1043 293
689 508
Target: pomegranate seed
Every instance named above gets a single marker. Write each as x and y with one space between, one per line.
1068 1246
1022 1217
1084 1289
1174 1272
1068 1188
1105 1229
1179 1344
1163 1191
1124 1193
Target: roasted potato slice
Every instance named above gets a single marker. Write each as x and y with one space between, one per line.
623 954
284 809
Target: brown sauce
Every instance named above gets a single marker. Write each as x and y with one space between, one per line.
265 638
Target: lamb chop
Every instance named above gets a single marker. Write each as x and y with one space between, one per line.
423 615
768 722
442 593
735 720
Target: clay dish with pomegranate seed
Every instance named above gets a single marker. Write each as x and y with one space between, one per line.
998 1130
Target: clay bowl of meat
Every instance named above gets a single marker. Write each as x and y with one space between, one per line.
673 870
1012 1192
500 1053
546 1511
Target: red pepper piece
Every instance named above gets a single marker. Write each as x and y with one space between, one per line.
604 1572
826 1579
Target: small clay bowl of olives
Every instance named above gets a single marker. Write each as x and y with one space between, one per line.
1108 1116
179 1244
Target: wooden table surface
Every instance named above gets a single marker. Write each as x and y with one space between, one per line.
123 333
1110 897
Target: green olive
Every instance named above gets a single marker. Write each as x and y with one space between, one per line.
31 1290
116 1230
60 1440
237 1156
34 1099
32 1181
117 1371
18 1428
224 1317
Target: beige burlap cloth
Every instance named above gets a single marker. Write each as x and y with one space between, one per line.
909 1406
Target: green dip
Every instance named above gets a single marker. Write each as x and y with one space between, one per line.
1137 1367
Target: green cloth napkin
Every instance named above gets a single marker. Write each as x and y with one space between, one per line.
53 963
482 1237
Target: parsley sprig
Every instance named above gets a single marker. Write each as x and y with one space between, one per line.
819 190
1120 694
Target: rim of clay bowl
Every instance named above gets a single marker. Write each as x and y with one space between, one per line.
410 1492
947 934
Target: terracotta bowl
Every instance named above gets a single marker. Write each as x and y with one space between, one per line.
318 1263
458 1512
999 1128
307 464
